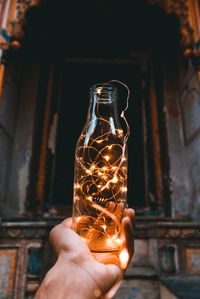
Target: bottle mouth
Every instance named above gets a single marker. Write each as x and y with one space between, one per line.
104 93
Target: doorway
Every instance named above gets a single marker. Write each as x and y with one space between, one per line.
77 77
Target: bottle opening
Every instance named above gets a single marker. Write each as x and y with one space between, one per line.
104 93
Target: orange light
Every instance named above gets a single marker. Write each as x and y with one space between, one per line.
107 158
124 257
115 179
89 198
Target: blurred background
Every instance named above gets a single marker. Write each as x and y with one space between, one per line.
51 53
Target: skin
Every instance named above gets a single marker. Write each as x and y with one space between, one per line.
77 273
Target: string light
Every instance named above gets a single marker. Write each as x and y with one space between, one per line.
107 158
100 180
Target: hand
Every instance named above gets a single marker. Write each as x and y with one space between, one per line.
76 273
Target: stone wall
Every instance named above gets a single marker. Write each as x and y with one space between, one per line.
166 263
22 150
8 112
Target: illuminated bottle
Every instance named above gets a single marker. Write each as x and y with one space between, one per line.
100 175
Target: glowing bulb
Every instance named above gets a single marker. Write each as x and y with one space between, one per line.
99 90
104 227
114 167
124 189
99 173
99 141
123 159
104 168
107 158
78 219
110 146
115 179
76 198
92 167
77 186
88 171
124 257
120 132
114 241
89 198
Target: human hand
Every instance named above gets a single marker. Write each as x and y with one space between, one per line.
77 273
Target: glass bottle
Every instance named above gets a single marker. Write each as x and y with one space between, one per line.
100 175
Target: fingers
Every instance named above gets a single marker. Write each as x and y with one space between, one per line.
64 239
131 214
128 234
67 222
128 225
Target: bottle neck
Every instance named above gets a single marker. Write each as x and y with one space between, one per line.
103 102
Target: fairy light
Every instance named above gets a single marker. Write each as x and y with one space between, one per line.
89 198
107 158
100 182
104 227
88 171
115 179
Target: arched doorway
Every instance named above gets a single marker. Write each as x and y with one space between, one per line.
128 50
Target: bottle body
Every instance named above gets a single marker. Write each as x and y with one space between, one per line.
100 175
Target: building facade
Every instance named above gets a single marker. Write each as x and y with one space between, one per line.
50 55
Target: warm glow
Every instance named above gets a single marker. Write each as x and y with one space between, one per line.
88 171
120 132
115 179
107 158
99 90
124 257
77 186
114 240
78 219
100 178
89 198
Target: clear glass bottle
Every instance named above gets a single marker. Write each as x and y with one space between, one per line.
100 175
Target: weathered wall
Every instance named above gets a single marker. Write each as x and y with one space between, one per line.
22 151
8 109
166 263
190 103
180 171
